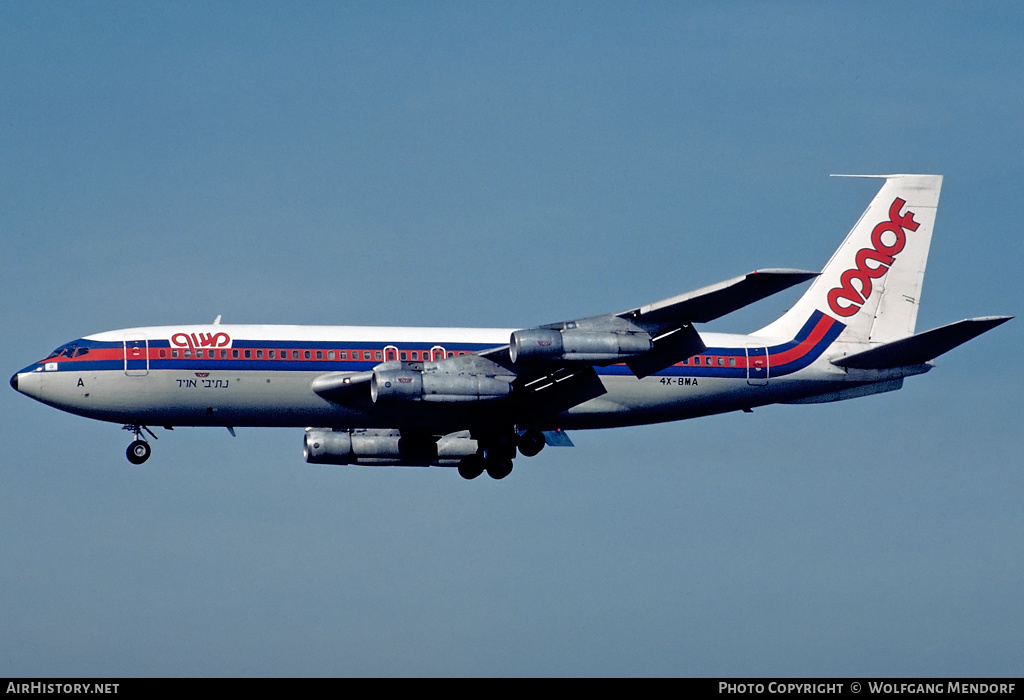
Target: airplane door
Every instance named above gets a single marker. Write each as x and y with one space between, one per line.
437 353
390 353
757 366
136 356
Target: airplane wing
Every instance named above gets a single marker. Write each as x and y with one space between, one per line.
551 368
717 300
648 338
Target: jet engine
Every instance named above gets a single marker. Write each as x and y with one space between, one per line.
583 346
385 448
440 387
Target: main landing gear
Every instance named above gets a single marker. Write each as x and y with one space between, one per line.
139 451
474 465
496 456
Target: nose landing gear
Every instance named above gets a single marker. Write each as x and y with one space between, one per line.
139 451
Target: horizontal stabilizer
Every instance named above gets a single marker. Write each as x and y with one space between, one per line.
717 300
920 348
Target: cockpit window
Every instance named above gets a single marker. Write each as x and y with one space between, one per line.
70 350
62 351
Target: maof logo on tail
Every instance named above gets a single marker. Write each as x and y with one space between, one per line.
882 253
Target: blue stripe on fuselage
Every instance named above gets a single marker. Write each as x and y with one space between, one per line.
830 330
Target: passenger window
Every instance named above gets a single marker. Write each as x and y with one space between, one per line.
259 354
721 361
403 355
306 354
248 354
163 354
270 354
330 354
732 361
174 354
234 354
342 354
319 354
376 355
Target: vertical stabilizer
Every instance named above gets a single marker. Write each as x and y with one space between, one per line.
872 284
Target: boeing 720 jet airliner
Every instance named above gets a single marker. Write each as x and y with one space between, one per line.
472 397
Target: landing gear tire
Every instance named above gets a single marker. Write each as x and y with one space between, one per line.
138 452
531 443
471 467
499 469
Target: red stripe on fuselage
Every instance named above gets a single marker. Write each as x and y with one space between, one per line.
805 346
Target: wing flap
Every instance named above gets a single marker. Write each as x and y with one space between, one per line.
559 391
668 349
557 438
922 347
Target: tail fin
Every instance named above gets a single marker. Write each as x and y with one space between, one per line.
872 284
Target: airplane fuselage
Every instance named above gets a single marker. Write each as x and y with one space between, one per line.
260 376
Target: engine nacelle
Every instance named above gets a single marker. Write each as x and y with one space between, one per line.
440 387
384 448
577 345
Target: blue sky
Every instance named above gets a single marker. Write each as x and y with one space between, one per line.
482 165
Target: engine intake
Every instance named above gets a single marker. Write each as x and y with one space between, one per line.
577 345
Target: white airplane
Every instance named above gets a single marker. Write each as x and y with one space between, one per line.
471 397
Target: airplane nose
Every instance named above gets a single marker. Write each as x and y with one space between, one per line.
14 382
